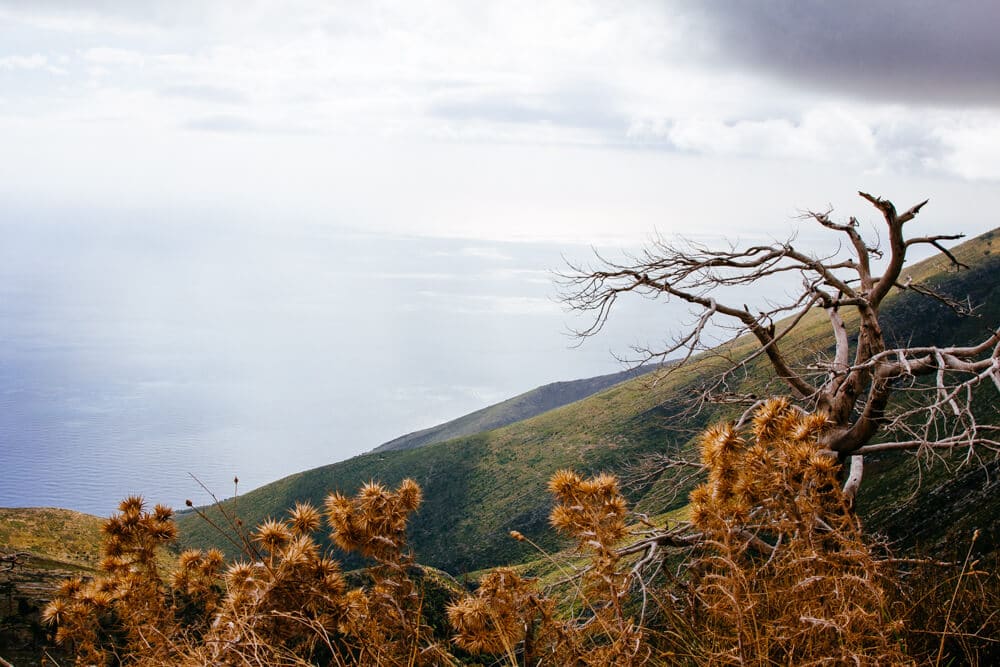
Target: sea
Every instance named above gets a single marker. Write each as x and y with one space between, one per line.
167 358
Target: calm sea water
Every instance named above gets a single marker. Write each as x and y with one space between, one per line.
136 351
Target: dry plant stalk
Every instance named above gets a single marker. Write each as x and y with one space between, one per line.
781 573
785 575
510 617
289 606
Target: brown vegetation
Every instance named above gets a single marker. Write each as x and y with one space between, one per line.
775 569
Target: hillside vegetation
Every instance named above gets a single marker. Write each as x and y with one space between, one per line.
58 535
808 587
481 486
521 407
40 548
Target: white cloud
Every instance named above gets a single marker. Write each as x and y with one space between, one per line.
485 253
974 148
105 55
489 303
828 134
34 61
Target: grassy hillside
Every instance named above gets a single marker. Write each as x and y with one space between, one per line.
526 405
479 487
57 535
42 547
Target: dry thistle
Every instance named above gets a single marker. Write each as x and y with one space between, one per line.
304 519
786 573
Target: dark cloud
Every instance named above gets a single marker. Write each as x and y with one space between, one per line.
912 51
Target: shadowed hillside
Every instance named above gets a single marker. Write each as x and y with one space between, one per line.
519 408
481 486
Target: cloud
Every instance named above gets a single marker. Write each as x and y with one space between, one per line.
573 109
976 148
34 61
822 134
206 93
915 51
486 253
105 55
221 123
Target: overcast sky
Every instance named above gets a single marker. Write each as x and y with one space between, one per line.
260 236
555 120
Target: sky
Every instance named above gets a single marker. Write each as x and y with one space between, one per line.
515 120
254 213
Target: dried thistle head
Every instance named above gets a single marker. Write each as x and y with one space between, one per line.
214 559
494 620
132 506
809 427
98 600
160 530
272 535
373 522
240 575
770 418
824 464
70 587
590 510
114 527
563 483
163 513
719 444
189 559
55 612
702 507
304 519
300 551
410 495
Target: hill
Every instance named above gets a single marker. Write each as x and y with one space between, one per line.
479 487
40 547
521 407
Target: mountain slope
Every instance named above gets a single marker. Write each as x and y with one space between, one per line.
521 407
477 488
40 548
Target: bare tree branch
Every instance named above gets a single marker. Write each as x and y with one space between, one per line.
936 386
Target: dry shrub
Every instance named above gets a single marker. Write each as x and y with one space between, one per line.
288 604
785 575
123 613
951 614
510 617
781 574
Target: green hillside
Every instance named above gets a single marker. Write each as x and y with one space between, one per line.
521 407
40 547
479 487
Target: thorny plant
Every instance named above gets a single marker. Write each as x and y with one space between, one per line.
785 574
290 605
511 617
778 571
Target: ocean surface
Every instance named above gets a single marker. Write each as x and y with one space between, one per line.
138 352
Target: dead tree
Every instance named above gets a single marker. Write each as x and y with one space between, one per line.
853 387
